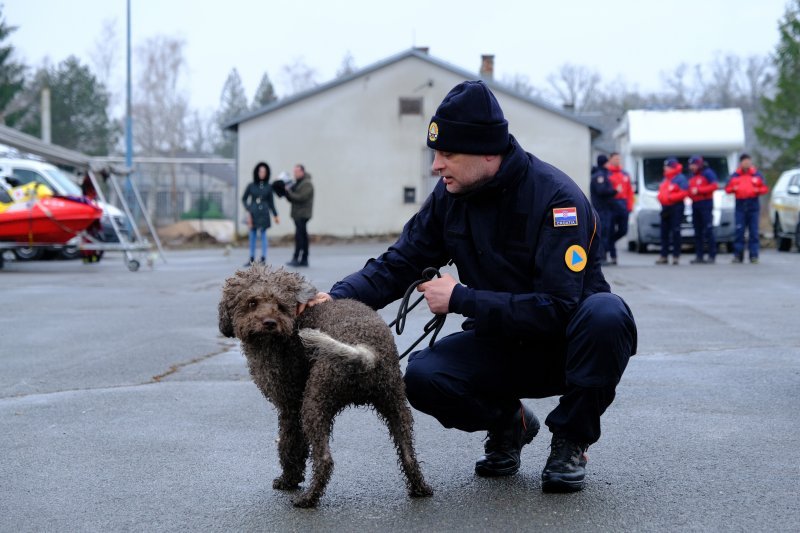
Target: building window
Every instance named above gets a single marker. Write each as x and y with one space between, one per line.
411 106
409 195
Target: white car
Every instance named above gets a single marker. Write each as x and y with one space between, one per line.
784 207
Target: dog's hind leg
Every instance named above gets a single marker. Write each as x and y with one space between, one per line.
398 418
317 415
292 450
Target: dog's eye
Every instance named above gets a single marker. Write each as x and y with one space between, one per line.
251 303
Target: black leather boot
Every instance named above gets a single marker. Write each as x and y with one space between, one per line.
503 445
566 467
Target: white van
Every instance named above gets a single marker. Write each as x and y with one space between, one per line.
22 171
646 138
784 209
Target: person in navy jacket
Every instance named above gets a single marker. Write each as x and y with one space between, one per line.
540 318
671 192
702 184
747 184
602 194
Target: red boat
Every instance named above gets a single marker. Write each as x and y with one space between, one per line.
47 220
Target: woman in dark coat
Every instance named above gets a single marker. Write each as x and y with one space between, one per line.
259 203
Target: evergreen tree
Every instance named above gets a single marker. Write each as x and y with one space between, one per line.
78 108
779 123
265 94
233 103
12 75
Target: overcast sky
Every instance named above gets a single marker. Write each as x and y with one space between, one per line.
632 39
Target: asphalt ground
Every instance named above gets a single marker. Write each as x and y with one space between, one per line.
123 409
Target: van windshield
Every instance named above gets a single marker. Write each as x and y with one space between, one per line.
654 169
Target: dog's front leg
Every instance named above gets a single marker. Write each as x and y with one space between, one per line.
292 449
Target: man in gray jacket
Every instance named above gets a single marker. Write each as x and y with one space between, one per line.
301 196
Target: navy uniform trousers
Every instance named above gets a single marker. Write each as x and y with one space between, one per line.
473 383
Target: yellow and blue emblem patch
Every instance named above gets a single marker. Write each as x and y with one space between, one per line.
575 258
565 216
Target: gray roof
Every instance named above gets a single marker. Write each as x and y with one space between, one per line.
413 52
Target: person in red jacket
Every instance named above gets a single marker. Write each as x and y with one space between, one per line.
621 205
747 184
702 184
673 189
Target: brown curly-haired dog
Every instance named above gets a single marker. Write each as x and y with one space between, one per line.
312 366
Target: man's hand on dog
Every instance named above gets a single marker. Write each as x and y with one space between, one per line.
437 293
318 299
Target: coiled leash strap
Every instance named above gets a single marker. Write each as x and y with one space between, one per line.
434 324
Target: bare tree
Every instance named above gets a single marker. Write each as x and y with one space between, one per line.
160 106
681 89
298 76
105 58
202 134
759 80
521 84
348 65
575 85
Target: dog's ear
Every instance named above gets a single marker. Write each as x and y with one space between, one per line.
225 322
230 294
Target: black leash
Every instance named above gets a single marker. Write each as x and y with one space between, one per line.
434 324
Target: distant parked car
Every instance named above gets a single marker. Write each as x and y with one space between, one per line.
22 171
784 209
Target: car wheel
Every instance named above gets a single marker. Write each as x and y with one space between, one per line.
28 253
69 253
781 243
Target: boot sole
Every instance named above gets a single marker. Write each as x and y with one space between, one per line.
557 484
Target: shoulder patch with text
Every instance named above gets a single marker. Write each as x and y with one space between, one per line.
565 216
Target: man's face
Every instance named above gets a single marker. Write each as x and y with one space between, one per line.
746 164
463 172
614 160
694 167
298 172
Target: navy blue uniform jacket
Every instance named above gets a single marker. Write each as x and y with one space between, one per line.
511 257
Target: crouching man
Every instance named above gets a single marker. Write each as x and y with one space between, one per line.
540 318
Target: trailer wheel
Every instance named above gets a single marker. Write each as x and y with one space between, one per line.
133 265
28 253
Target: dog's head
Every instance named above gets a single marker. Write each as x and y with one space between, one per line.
260 302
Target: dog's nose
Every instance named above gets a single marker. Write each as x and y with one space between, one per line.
270 323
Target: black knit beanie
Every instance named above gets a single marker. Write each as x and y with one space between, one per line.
469 121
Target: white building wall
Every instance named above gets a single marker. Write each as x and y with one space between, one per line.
362 153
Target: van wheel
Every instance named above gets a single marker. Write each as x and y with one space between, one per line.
781 243
797 237
28 253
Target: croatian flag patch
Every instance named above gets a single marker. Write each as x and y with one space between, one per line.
565 216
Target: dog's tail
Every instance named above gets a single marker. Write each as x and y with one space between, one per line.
327 346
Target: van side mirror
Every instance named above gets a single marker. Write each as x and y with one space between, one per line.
793 189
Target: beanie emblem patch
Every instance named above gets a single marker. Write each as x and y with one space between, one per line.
433 132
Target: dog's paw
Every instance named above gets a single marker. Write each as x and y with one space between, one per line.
280 483
421 491
306 500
